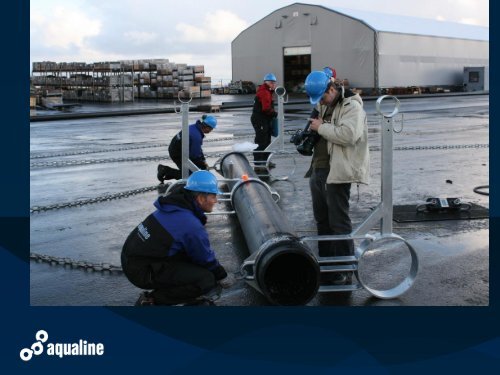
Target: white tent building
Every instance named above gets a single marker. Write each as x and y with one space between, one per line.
371 50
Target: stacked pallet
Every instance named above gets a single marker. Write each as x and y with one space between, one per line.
170 79
112 81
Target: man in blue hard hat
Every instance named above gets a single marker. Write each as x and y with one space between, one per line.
197 132
263 114
169 252
340 158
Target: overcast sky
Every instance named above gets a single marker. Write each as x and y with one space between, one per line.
195 32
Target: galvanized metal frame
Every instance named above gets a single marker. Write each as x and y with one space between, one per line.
280 139
187 165
382 214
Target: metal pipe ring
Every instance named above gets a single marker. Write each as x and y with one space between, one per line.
399 289
241 182
379 102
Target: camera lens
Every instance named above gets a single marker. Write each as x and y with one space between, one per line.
297 137
306 148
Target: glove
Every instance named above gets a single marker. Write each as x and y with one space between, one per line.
219 273
201 163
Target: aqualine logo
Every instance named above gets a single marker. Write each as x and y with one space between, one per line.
80 348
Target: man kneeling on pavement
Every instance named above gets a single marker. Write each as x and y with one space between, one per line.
197 133
169 252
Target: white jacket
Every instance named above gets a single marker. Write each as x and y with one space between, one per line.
347 137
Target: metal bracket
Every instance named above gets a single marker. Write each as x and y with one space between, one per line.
274 194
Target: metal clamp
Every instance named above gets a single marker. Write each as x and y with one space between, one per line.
247 270
252 179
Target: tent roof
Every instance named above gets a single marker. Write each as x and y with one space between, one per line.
413 25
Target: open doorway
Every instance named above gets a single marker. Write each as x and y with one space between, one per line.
296 67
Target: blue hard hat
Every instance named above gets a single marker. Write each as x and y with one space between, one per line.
203 182
270 77
316 84
209 121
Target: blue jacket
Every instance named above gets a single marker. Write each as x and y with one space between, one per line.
196 136
185 221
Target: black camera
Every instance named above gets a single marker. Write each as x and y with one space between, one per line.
306 139
297 138
310 139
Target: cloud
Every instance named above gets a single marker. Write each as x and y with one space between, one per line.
220 26
140 37
471 21
64 28
462 11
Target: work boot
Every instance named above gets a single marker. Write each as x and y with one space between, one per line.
167 173
170 173
145 300
161 173
207 299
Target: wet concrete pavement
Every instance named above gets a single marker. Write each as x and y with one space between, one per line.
104 158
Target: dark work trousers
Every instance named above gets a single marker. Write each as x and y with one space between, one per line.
337 197
317 184
172 281
177 281
178 162
262 129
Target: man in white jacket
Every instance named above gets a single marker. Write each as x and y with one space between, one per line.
342 123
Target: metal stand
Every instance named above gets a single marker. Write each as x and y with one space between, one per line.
381 215
280 139
187 165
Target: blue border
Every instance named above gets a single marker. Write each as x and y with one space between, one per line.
220 340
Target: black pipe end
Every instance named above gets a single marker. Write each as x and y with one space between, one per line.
288 275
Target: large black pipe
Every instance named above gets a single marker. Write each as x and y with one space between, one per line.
280 266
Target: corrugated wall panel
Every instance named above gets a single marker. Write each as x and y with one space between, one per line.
415 60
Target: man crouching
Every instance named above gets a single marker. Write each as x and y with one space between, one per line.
170 251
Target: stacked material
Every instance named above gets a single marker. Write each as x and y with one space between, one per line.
122 81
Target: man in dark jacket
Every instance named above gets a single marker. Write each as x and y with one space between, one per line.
197 132
170 252
263 114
